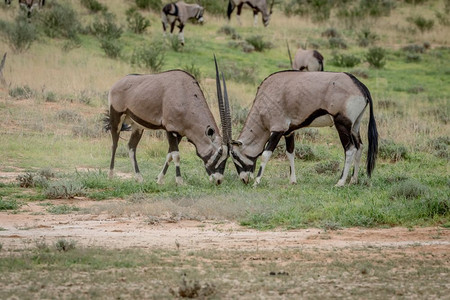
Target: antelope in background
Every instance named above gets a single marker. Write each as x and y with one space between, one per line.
289 100
256 5
172 101
28 5
180 12
308 60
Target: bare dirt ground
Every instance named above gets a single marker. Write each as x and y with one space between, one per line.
33 223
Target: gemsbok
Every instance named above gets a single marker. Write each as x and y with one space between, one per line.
181 12
258 6
289 100
172 101
308 60
30 5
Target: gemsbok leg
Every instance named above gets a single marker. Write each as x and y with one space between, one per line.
350 144
115 121
173 154
135 137
290 149
271 145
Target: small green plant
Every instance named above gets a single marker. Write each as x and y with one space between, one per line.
105 27
8 204
337 43
174 43
50 96
409 189
366 37
20 34
377 8
64 189
60 20
258 42
392 151
155 5
331 33
239 73
193 70
93 6
376 57
421 23
62 209
150 56
68 116
414 48
21 92
413 57
112 47
136 22
330 167
345 60
63 245
239 114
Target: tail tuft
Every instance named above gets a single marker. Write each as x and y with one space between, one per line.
106 121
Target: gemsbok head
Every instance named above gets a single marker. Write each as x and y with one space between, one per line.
289 100
30 5
174 102
258 6
180 12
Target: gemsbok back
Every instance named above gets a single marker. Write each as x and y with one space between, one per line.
172 101
258 6
289 100
181 12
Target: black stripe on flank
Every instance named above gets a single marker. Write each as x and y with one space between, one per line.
143 122
308 121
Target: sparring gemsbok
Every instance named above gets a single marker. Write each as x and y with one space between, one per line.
289 100
181 12
172 101
258 6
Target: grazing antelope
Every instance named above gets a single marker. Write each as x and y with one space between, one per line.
289 100
172 101
256 5
308 60
181 12
30 5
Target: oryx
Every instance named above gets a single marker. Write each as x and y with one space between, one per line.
256 5
172 101
308 60
180 12
30 5
289 100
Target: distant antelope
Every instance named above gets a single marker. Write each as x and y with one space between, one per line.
180 12
256 5
308 60
172 101
29 5
289 100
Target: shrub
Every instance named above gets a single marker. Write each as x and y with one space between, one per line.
68 116
64 245
331 32
227 30
409 189
64 189
21 92
366 37
319 10
28 180
93 6
149 4
413 57
174 43
440 146
331 167
238 73
216 7
193 70
239 114
50 96
150 56
9 204
136 22
337 42
20 34
112 47
105 27
421 23
61 209
392 151
377 8
376 57
414 48
60 20
344 60
258 42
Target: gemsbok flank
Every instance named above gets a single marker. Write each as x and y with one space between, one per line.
258 6
181 12
172 101
289 100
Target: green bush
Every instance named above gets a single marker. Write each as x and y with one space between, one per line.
337 43
377 8
345 60
193 70
409 189
105 27
21 92
63 209
8 204
150 56
319 10
238 73
93 6
376 57
64 245
258 42
112 47
390 150
331 167
60 20
216 7
174 43
421 23
19 34
136 22
366 37
64 189
155 5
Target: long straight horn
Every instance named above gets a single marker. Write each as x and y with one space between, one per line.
289 52
227 112
221 105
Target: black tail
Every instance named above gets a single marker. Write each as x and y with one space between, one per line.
319 58
372 132
230 9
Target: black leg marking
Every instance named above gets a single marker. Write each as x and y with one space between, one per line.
290 143
132 145
239 9
177 171
273 141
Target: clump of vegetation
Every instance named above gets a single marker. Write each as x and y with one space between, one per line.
112 48
93 6
150 56
60 20
28 180
62 209
421 23
308 134
64 189
136 22
409 189
331 33
318 10
155 5
413 57
20 34
9 204
238 114
377 8
440 146
175 43
68 116
63 245
257 41
106 27
414 48
337 43
194 70
376 57
331 167
237 73
345 60
390 150
21 92
360 73
366 37
193 289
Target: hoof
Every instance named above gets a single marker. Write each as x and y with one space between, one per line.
179 181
